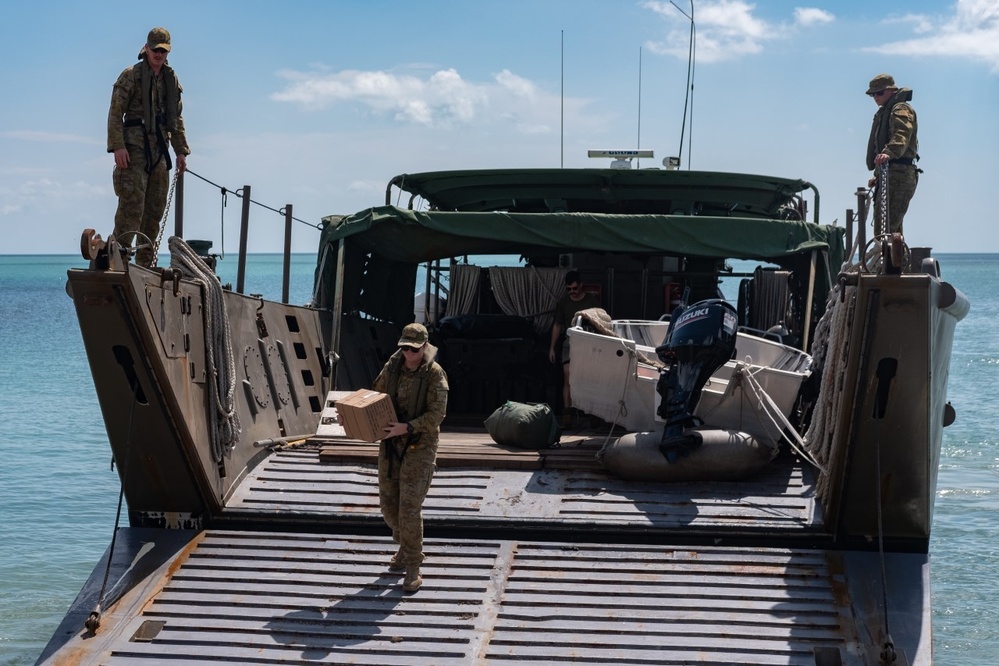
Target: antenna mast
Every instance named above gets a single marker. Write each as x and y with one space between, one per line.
638 145
689 95
562 109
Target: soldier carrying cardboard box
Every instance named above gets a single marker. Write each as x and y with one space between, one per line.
407 456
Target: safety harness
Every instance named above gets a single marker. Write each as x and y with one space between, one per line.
152 122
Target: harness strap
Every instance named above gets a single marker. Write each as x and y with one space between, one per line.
393 455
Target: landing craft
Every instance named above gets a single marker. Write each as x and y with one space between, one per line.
268 545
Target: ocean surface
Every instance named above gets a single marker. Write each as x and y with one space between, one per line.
58 495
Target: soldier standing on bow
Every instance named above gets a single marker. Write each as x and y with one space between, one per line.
893 142
145 115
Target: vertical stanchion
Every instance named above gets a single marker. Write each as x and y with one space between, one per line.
178 207
244 225
862 221
286 277
849 233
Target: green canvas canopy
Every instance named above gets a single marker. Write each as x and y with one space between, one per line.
546 212
411 236
706 193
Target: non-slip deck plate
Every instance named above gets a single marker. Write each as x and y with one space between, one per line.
286 598
480 484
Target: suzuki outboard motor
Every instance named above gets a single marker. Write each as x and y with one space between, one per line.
700 339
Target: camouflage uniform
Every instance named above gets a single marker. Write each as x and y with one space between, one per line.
894 132
142 187
406 464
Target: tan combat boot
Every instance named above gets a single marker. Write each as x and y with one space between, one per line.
413 580
396 563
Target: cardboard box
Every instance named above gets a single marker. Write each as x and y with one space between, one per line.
365 414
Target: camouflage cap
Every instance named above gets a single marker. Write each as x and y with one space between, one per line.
880 82
159 38
414 335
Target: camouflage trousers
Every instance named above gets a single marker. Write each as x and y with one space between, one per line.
141 201
402 487
902 181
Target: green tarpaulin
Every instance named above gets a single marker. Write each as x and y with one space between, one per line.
384 244
410 236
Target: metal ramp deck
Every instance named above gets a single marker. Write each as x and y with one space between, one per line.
277 598
479 484
532 558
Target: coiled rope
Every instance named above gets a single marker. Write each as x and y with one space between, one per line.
223 420
832 351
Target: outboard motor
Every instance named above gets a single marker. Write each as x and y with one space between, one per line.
700 339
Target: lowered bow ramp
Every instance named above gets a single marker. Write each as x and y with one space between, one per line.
268 598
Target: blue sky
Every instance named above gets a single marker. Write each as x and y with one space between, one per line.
319 104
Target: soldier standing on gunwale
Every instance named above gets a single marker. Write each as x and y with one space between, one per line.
145 114
894 142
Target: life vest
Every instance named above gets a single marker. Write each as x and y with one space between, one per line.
881 130
160 125
171 98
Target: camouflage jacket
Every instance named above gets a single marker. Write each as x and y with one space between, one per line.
419 396
127 105
893 130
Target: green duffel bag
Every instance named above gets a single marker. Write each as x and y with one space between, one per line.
526 425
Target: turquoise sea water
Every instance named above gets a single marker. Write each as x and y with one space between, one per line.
58 494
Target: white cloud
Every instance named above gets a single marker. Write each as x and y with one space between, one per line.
919 23
443 99
972 33
726 29
806 16
43 193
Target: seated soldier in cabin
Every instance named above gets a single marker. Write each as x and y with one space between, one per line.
574 301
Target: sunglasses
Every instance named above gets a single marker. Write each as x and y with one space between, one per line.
879 93
411 350
160 51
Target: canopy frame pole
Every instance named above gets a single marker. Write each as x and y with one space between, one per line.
808 300
334 352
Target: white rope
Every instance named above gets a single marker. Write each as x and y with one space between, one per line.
832 348
770 409
223 419
622 406
629 375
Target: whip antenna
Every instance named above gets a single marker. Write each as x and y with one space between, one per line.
639 143
562 108
688 99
